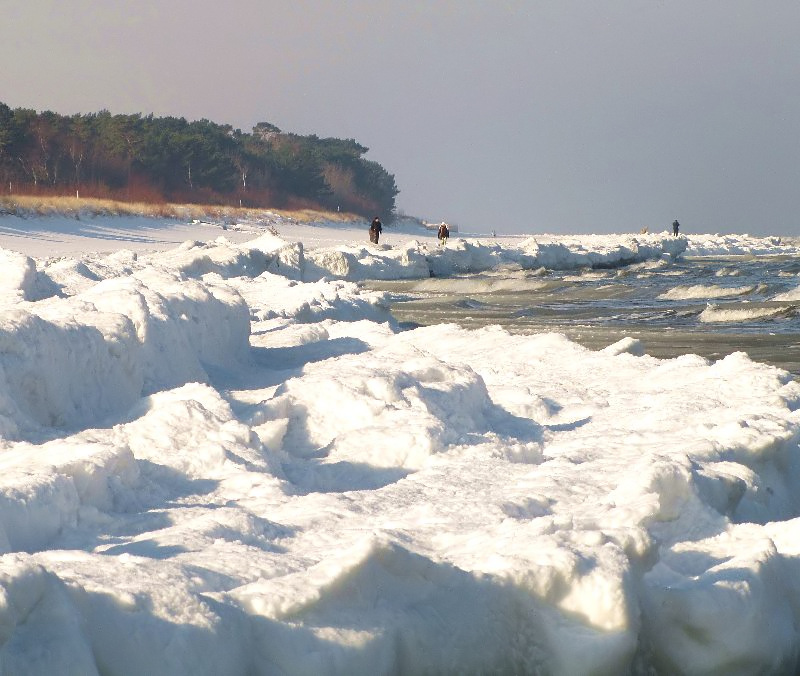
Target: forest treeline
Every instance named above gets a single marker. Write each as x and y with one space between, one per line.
167 159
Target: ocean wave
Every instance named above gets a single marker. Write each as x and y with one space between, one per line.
736 312
589 275
470 304
683 292
793 294
471 285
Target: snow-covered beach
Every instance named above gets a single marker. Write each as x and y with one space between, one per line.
220 455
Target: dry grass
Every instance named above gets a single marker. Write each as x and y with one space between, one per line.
25 205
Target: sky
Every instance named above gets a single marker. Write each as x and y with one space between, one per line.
559 116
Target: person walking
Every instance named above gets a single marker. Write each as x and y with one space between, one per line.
675 227
375 229
443 234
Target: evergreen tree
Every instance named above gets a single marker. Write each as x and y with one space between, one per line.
169 158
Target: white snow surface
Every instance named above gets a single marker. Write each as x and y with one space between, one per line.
222 457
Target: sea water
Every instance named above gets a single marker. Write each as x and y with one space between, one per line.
706 306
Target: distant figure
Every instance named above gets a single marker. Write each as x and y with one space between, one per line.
375 229
643 231
675 227
443 233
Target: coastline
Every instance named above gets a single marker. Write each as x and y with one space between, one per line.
222 457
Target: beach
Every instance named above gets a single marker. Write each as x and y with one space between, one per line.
222 453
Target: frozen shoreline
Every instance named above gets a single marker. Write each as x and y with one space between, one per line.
221 457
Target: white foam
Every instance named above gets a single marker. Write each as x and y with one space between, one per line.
691 292
743 312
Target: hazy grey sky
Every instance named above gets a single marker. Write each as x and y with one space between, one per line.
518 116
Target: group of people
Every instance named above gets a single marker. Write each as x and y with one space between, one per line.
376 228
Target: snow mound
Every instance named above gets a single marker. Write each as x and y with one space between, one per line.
225 458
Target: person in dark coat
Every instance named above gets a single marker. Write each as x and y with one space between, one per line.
443 234
675 226
375 229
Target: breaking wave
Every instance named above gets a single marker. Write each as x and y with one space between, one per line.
736 312
683 292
